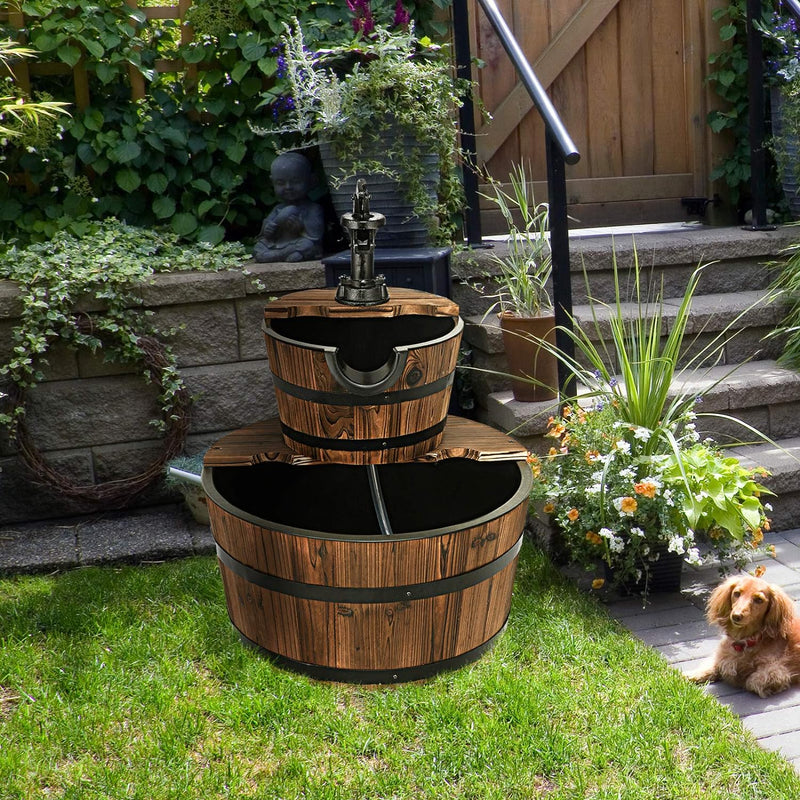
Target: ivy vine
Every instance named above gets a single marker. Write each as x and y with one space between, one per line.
108 268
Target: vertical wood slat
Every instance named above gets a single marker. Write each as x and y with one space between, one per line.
21 73
136 78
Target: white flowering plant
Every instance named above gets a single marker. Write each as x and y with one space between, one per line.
620 503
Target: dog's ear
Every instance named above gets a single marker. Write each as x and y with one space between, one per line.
718 608
778 619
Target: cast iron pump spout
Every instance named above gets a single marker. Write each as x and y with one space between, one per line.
362 287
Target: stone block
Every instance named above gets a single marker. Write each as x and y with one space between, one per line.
250 318
24 499
178 288
96 365
134 537
123 460
230 396
283 277
10 304
90 412
484 334
204 333
25 548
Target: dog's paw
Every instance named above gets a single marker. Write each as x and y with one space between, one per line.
705 674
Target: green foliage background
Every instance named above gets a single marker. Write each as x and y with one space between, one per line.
186 156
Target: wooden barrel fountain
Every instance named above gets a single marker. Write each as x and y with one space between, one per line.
368 574
363 535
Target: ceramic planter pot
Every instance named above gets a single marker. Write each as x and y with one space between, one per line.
526 359
404 226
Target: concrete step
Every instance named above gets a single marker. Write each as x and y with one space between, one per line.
726 328
758 393
736 261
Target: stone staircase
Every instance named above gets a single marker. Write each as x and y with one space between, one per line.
733 291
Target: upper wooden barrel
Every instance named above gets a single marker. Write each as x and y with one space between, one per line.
362 384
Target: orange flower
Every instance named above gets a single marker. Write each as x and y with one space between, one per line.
628 505
760 570
593 538
591 456
573 514
549 508
645 488
772 551
598 583
758 536
552 453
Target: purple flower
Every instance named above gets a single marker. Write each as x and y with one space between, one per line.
401 16
363 22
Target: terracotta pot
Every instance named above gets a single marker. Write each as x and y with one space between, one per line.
527 359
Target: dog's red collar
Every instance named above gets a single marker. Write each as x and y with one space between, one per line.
740 644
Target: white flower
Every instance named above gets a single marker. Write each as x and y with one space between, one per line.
629 473
676 545
635 531
593 489
616 544
622 446
642 434
693 557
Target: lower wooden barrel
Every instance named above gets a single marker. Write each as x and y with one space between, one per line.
369 574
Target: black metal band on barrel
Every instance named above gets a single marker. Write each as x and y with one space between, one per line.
370 594
380 399
356 445
401 675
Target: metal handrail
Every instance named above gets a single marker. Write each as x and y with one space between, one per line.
756 123
528 77
561 151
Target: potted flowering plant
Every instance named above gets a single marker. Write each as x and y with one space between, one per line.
381 106
639 511
629 482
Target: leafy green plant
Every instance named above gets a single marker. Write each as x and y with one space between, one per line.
186 156
638 375
17 115
377 88
621 498
526 267
728 74
107 265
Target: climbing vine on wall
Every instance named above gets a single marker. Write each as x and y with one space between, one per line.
185 156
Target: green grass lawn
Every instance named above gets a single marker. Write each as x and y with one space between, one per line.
130 683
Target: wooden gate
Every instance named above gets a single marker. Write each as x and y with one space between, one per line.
627 78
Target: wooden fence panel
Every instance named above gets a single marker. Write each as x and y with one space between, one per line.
627 78
25 72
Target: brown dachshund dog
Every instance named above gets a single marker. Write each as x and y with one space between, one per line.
760 651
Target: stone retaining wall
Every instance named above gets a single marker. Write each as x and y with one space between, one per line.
91 420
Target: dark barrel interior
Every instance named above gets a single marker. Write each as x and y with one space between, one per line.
336 499
364 343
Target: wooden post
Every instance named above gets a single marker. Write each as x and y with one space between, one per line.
136 77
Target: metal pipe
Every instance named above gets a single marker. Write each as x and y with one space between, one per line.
466 124
559 249
566 146
378 503
755 86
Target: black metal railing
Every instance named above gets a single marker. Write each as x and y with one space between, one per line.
757 101
560 150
